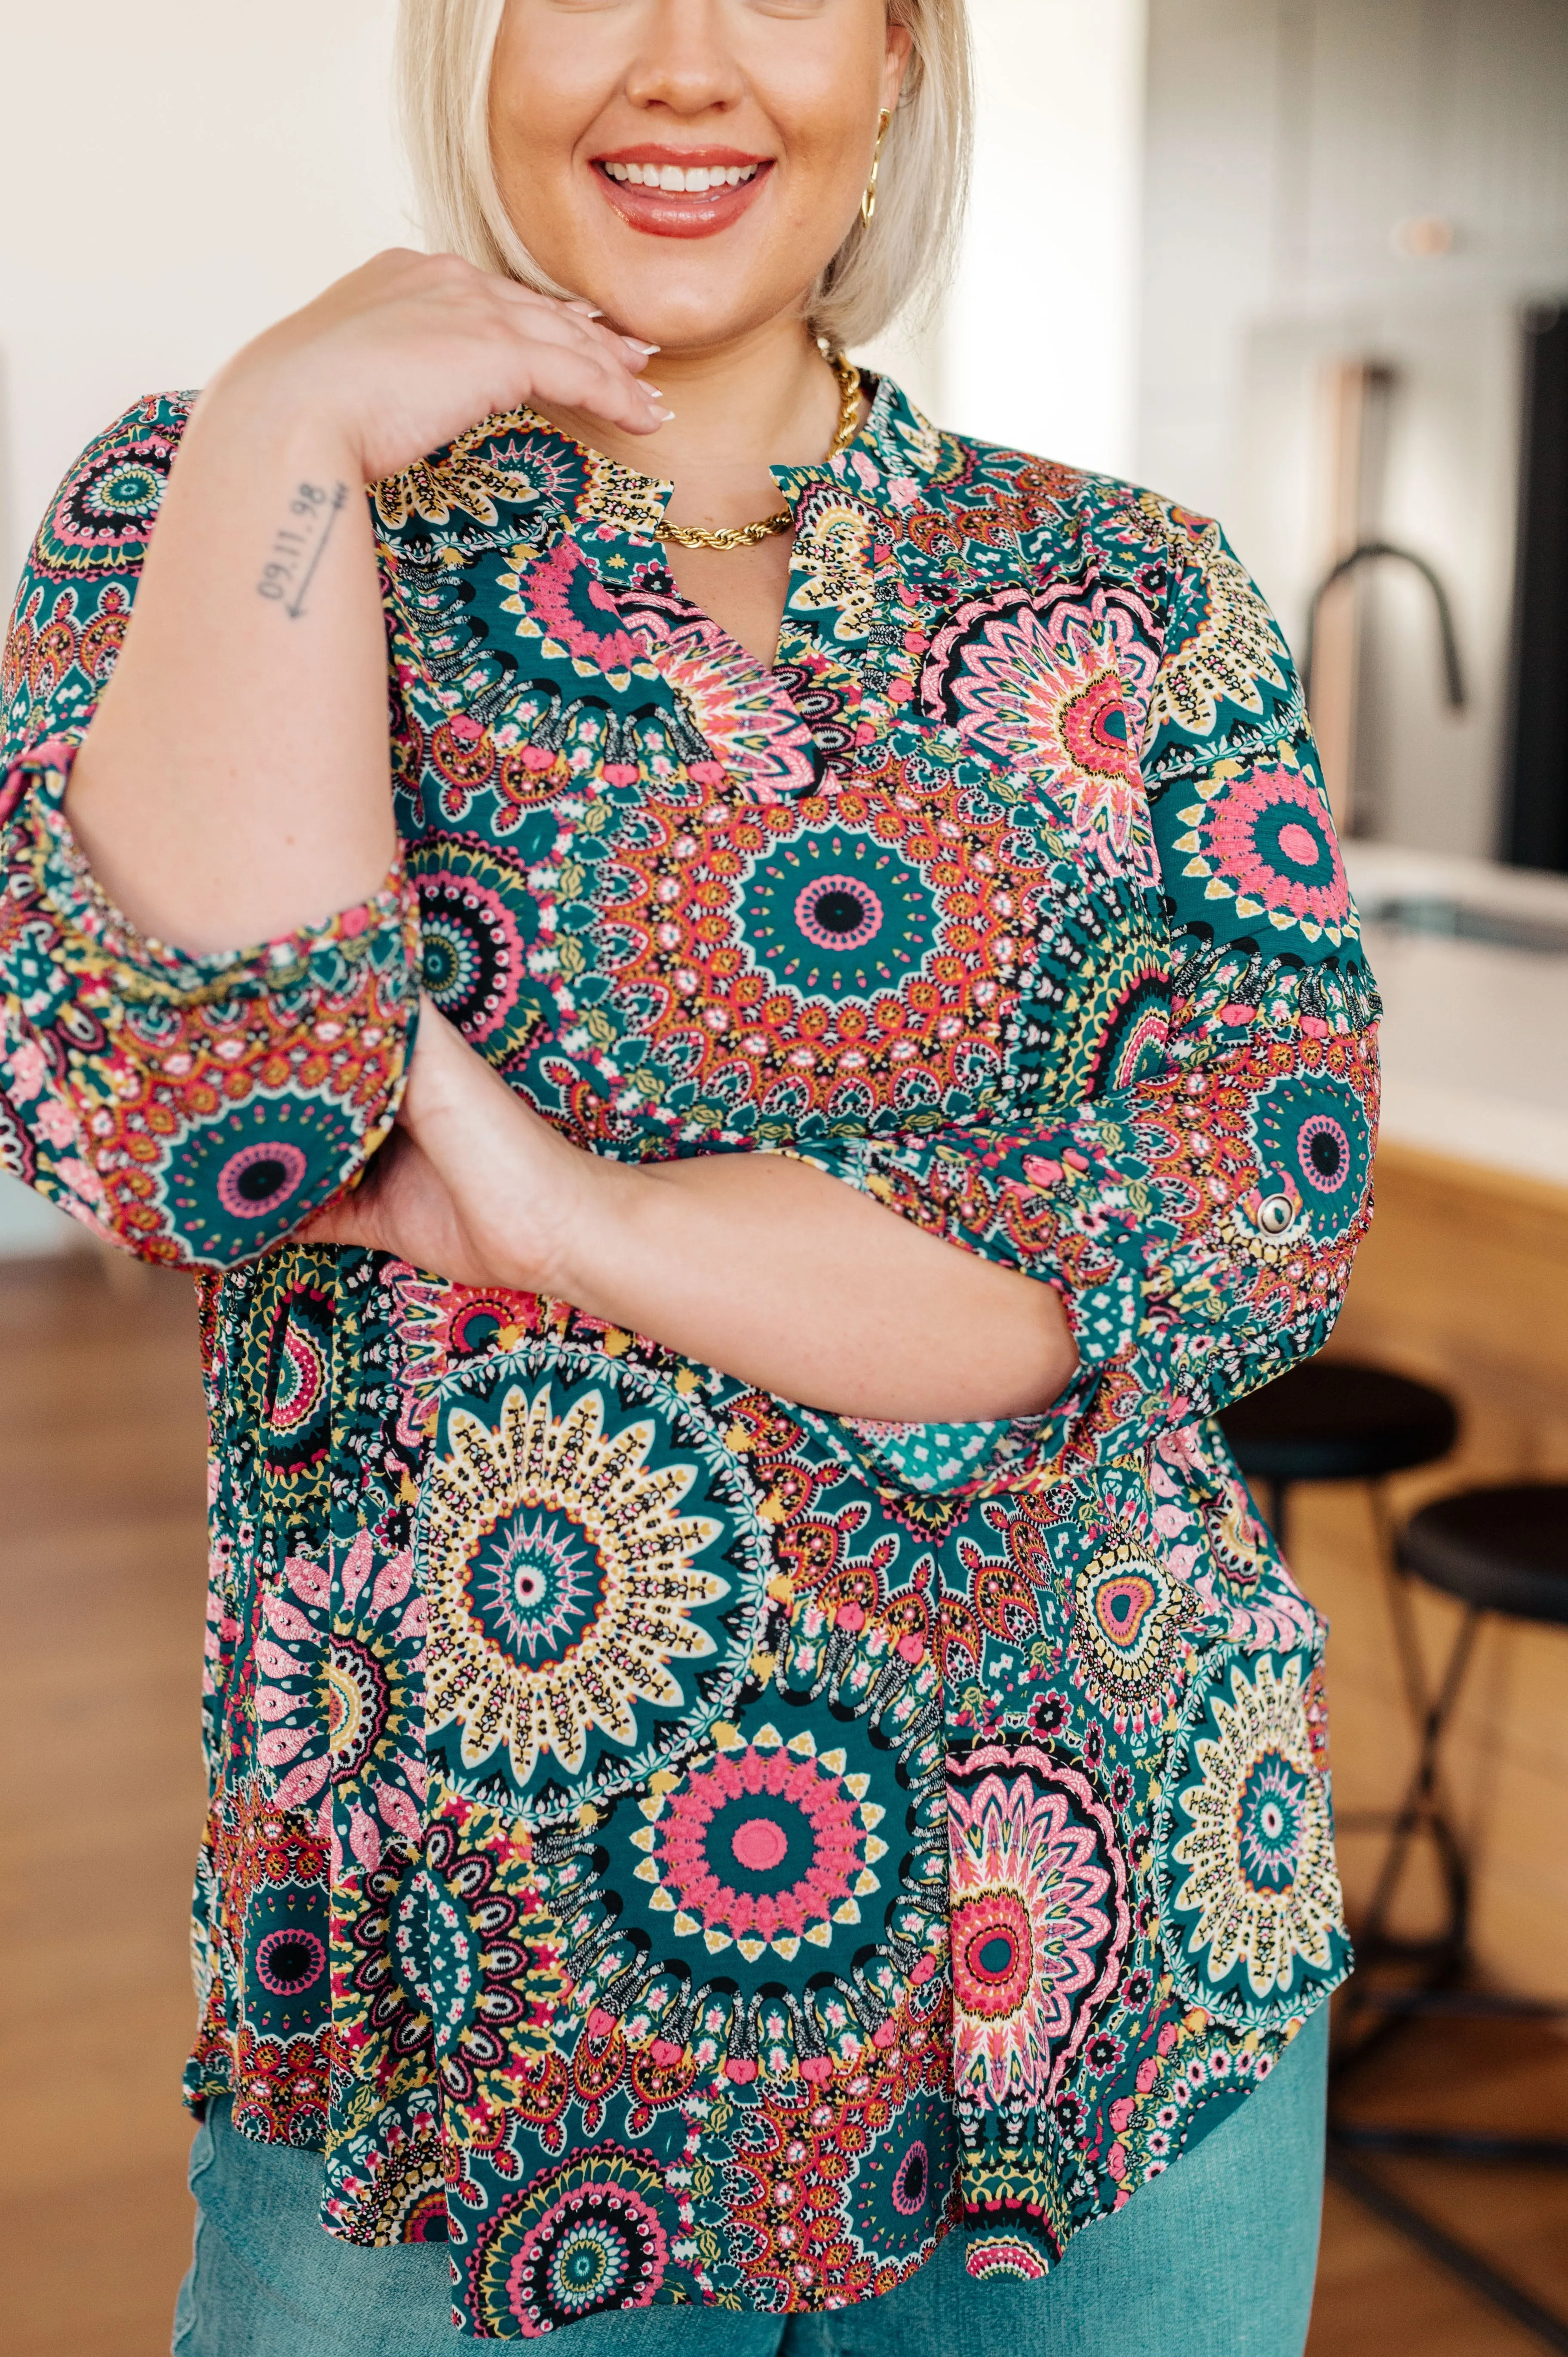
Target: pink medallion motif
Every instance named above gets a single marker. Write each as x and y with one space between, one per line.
1068 693
568 597
1261 848
788 1803
763 746
1038 1922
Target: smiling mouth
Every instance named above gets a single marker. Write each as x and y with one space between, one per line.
664 195
671 181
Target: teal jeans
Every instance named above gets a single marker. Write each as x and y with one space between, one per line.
1216 2255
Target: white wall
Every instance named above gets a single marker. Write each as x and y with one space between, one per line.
172 177
1287 140
1039 337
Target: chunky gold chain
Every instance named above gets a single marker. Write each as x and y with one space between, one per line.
746 535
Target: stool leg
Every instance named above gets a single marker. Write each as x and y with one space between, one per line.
1412 1671
1423 1811
1422 1806
1472 2269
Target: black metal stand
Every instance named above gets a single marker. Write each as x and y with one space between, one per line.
1438 1991
1471 2270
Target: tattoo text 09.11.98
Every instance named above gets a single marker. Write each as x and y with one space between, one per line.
298 547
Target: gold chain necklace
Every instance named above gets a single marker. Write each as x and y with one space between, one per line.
746 535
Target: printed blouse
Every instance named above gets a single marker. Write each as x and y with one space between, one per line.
669 1843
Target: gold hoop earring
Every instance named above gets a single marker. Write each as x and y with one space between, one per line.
868 202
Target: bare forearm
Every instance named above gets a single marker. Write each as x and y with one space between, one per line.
233 784
791 1280
750 1263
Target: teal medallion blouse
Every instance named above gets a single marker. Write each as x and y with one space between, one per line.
669 1843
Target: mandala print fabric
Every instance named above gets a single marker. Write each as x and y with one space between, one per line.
667 1844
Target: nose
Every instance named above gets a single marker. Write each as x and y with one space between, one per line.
685 61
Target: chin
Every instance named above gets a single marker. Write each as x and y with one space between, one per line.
692 294
688 310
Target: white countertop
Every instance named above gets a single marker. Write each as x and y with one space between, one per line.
1475 1036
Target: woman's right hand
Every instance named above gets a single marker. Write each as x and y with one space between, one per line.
411 350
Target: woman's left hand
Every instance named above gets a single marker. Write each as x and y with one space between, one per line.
472 1184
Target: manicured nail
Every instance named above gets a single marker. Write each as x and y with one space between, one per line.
586 309
639 346
654 391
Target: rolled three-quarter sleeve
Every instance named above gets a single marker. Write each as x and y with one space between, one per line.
194 1109
1200 1223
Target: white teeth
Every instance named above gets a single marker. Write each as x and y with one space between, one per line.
670 178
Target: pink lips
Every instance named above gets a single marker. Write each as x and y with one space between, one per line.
668 212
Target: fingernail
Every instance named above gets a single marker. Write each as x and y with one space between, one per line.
586 309
639 346
654 391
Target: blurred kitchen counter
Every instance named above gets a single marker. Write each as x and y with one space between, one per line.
1472 962
1463 1283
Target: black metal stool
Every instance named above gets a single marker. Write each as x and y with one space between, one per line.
1502 1551
1335 1420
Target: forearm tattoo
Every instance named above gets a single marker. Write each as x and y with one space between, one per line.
299 547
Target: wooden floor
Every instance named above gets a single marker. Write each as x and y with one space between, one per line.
1377 2297
101 1593
101 1577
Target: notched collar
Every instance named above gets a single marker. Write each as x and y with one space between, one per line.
517 458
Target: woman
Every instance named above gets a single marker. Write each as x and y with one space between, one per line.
751 1722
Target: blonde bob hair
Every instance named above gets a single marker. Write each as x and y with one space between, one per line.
898 264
